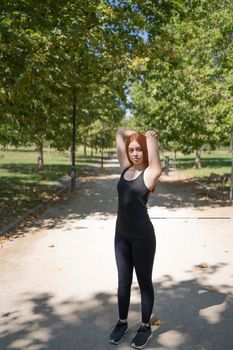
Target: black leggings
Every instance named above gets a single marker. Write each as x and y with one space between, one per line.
138 253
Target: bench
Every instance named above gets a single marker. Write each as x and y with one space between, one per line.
213 183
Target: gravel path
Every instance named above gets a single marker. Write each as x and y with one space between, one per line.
58 278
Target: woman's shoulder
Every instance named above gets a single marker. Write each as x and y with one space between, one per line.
124 169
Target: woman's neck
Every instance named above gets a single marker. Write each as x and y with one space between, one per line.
138 167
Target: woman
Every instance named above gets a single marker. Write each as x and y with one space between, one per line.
135 242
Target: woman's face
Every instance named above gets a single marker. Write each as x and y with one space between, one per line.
135 153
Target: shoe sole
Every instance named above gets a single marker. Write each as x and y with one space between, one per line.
116 343
141 346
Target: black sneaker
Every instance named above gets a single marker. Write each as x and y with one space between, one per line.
144 334
118 333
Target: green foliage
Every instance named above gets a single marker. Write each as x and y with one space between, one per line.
186 89
54 52
179 53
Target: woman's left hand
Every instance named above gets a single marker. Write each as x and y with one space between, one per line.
151 133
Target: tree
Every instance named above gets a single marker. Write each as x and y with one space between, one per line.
81 55
53 55
185 89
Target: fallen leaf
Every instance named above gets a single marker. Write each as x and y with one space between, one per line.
203 265
156 322
212 290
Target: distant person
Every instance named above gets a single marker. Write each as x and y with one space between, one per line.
135 242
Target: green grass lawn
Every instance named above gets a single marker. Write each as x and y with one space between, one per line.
215 162
22 186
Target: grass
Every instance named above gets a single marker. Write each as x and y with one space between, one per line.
22 186
215 162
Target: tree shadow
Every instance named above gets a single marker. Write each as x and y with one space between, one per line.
183 194
193 317
96 196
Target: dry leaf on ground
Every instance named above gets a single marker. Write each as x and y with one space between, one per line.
156 322
203 265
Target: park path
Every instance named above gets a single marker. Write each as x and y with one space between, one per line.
58 277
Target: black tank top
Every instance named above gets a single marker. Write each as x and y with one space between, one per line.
132 216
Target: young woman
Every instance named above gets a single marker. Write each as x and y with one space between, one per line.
135 241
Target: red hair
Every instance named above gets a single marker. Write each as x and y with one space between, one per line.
141 139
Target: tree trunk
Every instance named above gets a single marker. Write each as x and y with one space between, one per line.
70 153
102 157
40 156
174 155
231 181
85 150
73 167
198 159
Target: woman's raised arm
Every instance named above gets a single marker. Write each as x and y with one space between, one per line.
121 135
154 169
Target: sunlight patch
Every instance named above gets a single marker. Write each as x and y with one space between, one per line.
213 314
172 339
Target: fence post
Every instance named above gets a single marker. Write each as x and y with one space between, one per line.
166 165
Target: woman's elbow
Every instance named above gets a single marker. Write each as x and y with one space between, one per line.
158 172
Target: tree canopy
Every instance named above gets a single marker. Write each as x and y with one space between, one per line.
173 57
185 87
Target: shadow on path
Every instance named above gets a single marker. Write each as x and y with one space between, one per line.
96 196
182 194
193 315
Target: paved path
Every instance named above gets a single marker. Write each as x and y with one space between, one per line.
58 278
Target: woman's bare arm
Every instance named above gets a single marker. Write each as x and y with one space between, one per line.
121 136
154 169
